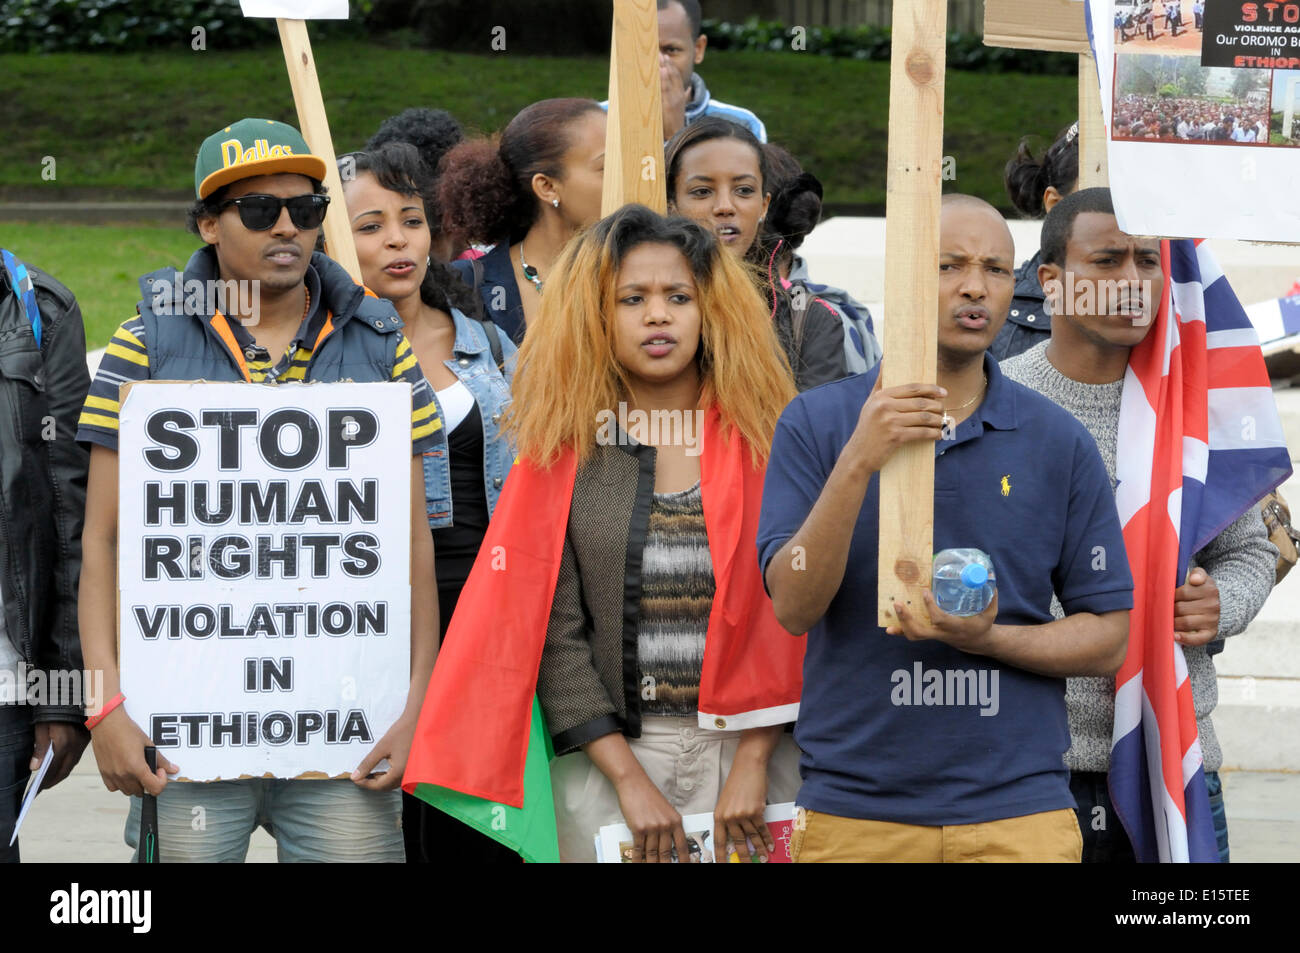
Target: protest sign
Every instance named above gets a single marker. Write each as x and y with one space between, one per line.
1044 25
291 17
1195 151
1057 25
1252 35
296 9
264 573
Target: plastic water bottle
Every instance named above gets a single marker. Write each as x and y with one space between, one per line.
964 582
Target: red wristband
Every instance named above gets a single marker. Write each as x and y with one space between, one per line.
104 712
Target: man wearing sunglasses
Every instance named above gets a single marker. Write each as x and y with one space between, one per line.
254 304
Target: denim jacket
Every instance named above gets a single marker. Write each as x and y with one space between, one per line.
1030 320
473 365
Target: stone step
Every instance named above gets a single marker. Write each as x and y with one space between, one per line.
1257 722
1288 408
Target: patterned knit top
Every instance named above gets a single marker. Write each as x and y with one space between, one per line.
676 597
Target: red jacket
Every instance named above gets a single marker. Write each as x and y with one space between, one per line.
473 731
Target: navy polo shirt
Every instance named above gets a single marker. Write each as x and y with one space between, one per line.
920 732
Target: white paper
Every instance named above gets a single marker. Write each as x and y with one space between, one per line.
1188 190
296 9
33 787
345 633
613 839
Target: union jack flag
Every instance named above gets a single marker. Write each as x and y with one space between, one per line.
1200 442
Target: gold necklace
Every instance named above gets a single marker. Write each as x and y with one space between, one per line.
948 422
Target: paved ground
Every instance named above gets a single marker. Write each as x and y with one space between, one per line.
80 822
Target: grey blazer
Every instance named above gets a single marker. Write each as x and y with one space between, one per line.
587 684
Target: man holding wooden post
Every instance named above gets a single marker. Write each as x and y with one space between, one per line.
929 736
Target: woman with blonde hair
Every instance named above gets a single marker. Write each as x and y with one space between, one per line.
626 538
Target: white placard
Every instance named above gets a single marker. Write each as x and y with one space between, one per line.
296 9
1188 188
264 572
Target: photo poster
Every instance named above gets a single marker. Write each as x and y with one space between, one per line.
1195 150
264 573
614 841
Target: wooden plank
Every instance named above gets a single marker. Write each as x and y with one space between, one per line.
315 128
916 83
1047 25
1093 166
634 136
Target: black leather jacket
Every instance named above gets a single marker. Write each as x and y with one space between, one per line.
42 479
1029 321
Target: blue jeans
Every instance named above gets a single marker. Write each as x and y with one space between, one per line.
1215 787
323 821
1104 839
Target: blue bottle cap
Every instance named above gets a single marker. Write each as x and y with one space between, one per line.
974 576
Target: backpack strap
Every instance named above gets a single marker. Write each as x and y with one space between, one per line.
801 303
20 280
494 343
489 326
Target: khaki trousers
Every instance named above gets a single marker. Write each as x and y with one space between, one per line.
687 763
1048 837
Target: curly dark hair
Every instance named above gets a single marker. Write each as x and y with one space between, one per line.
485 187
434 133
397 167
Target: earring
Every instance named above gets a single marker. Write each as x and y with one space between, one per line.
555 202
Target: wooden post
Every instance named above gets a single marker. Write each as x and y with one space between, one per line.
1093 167
634 137
315 129
916 78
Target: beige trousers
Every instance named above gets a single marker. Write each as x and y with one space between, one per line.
686 762
1047 837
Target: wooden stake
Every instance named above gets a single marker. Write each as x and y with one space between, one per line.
315 129
634 137
916 79
1093 167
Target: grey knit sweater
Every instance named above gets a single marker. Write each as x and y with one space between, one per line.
1240 560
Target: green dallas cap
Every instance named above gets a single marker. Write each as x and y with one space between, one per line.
252 147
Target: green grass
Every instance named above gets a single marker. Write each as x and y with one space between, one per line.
136 121
100 264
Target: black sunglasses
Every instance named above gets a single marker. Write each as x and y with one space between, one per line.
261 212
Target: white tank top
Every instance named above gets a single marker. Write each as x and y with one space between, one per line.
456 402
